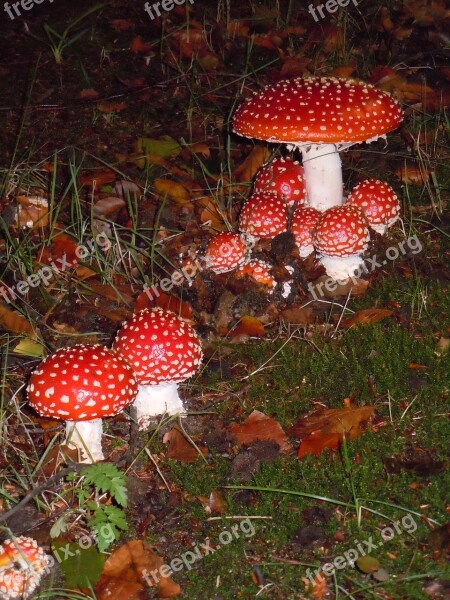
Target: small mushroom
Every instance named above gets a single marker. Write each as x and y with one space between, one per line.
263 216
320 116
303 222
379 203
285 177
340 238
225 252
22 564
259 271
82 384
163 350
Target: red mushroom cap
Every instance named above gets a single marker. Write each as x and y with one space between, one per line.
225 252
81 383
303 222
22 563
257 270
317 110
285 177
263 216
378 202
160 346
341 231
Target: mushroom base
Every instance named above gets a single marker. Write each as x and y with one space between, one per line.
154 400
86 436
323 175
342 268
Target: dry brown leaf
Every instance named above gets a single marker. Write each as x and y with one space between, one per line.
180 448
200 148
327 287
108 206
325 428
14 322
412 173
214 504
97 178
172 190
89 94
127 572
32 212
246 170
210 216
259 426
298 315
111 107
367 317
248 326
156 297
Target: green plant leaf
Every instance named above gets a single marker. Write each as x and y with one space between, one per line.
107 478
81 566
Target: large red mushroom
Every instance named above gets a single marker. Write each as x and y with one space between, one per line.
340 238
82 384
163 350
320 116
22 564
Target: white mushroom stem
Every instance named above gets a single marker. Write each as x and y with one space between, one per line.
341 268
323 175
86 436
154 400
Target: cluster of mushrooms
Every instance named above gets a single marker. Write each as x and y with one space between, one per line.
320 117
82 384
156 349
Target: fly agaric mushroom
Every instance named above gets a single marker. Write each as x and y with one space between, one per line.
163 351
379 203
22 564
303 222
257 270
82 384
225 252
320 116
340 237
283 176
263 216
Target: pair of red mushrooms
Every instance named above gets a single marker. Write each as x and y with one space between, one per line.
152 353
320 117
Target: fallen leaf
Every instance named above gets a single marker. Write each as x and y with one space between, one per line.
367 564
14 322
108 206
298 315
214 504
89 94
156 297
326 287
111 107
410 173
128 571
210 215
325 428
83 568
32 212
138 46
180 448
29 347
172 190
254 161
164 147
97 178
248 326
259 426
368 316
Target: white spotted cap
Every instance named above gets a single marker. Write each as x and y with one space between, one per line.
285 177
263 216
341 231
303 222
160 346
22 563
318 110
225 252
378 202
81 383
258 270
